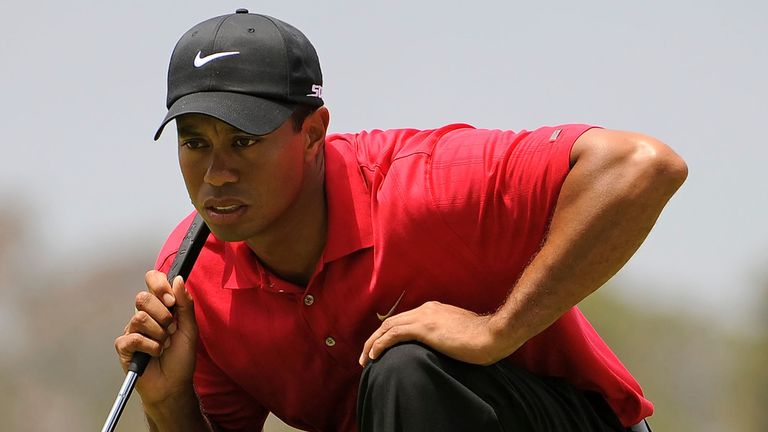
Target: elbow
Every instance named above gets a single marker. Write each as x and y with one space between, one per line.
657 166
637 165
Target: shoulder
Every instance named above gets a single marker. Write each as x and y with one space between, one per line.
379 147
514 160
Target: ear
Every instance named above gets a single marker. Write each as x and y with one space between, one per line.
314 128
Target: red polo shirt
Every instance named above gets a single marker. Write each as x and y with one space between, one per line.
453 214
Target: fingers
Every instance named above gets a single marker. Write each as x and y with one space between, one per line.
127 344
185 308
151 325
141 322
390 338
399 328
157 284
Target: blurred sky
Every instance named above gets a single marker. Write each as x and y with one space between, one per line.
83 89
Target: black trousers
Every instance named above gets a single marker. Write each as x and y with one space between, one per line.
413 388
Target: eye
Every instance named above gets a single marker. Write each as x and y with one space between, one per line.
246 141
193 144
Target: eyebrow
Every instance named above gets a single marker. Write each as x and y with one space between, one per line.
186 130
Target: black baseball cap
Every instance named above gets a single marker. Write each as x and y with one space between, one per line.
245 69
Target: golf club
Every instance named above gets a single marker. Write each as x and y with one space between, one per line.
189 249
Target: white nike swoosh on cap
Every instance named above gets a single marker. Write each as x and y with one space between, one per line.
201 61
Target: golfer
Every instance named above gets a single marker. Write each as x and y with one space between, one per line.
398 280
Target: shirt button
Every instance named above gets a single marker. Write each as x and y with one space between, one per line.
329 341
309 299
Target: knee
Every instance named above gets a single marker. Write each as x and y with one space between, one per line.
403 363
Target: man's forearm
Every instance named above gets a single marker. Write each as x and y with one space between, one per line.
182 414
608 204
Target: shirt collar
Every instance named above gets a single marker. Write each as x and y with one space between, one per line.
349 204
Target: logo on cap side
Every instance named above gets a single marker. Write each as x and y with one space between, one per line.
201 61
317 90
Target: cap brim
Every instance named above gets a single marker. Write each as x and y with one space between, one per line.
250 114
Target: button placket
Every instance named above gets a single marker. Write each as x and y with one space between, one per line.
313 316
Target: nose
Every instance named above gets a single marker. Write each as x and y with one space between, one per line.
220 170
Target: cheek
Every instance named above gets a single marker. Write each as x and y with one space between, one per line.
286 166
192 176
276 182
292 167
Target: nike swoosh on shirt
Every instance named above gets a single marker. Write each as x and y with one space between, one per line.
392 309
201 61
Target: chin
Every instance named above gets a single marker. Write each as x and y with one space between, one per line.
228 234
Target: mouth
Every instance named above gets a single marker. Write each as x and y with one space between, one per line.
224 210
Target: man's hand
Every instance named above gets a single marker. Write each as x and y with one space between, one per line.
171 343
455 332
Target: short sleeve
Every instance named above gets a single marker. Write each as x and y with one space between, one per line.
497 189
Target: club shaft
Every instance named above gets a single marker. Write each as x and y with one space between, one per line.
120 401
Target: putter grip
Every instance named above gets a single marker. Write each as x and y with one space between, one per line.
189 249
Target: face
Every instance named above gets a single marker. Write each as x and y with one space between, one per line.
243 185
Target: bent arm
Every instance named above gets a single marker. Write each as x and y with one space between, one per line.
610 199
617 187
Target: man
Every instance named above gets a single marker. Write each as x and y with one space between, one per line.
447 262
